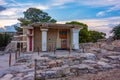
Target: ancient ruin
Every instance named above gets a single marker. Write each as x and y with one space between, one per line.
91 58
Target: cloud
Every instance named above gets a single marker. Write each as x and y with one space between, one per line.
42 7
7 22
114 8
26 5
2 2
61 2
99 3
114 5
2 8
15 10
102 13
9 12
103 25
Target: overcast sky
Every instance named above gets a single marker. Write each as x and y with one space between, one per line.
100 15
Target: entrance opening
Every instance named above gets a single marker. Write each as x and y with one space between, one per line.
63 37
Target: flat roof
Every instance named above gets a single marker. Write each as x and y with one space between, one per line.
53 25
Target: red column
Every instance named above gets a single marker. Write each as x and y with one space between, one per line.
30 40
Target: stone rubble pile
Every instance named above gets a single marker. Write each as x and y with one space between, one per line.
10 47
100 47
52 66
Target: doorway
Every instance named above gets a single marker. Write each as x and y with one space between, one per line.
63 37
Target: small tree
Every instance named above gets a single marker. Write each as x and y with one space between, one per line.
95 35
32 15
116 32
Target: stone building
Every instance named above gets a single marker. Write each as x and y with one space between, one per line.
45 36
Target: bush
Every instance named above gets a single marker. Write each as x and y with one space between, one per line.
4 40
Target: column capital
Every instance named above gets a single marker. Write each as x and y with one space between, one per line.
75 30
44 29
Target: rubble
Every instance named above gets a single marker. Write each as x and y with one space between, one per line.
1 52
63 64
88 56
104 65
7 77
114 57
59 66
2 73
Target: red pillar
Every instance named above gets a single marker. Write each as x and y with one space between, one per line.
30 40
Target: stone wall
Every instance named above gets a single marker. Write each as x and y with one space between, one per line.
51 38
116 43
111 46
37 38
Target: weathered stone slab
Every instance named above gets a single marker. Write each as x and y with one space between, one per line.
2 72
82 68
17 78
104 65
2 53
50 74
114 57
23 58
89 62
109 47
98 50
7 77
115 53
88 56
17 69
29 76
66 69
52 64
